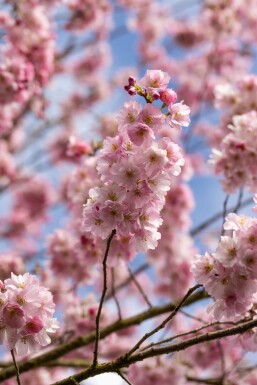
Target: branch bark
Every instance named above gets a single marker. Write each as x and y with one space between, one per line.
125 361
60 351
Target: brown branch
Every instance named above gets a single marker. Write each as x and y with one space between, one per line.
139 270
114 294
98 315
74 382
67 347
164 323
127 360
216 217
138 286
239 201
123 377
194 331
224 212
16 368
207 381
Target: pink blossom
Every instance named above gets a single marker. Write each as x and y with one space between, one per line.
179 115
152 116
27 314
155 79
126 173
129 113
226 251
13 316
140 133
154 160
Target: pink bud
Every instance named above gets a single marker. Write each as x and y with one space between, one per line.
92 311
132 91
168 96
155 95
131 81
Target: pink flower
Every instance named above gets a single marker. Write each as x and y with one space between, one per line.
227 250
129 113
92 222
203 268
126 173
152 116
155 79
154 160
13 316
179 115
27 314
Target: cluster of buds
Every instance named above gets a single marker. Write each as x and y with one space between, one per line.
130 88
155 88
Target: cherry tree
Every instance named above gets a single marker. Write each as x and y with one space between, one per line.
113 260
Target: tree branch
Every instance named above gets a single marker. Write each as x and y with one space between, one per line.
98 315
139 270
60 351
164 323
138 286
114 294
216 217
127 360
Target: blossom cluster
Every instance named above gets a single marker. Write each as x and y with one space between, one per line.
237 97
27 61
26 310
136 168
68 256
237 155
230 273
173 255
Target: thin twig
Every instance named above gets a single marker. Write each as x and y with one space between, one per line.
163 341
137 284
114 294
224 213
16 368
193 317
216 217
164 323
239 202
139 270
234 366
222 362
74 381
97 321
123 377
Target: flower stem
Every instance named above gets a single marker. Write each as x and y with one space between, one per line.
16 367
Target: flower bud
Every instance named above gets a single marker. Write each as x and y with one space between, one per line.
131 81
168 96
